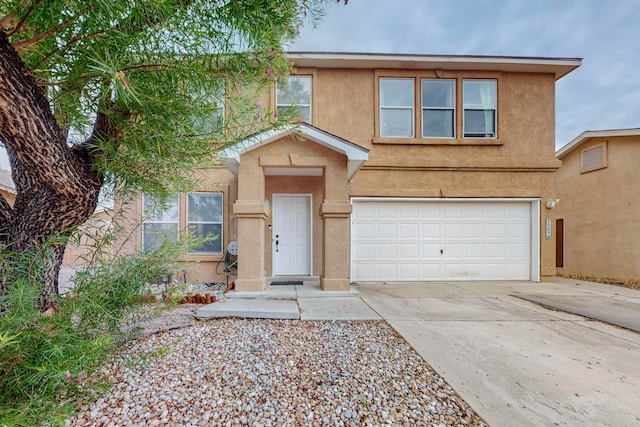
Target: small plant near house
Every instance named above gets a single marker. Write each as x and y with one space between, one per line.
46 360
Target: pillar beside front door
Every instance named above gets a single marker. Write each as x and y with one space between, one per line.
251 216
336 231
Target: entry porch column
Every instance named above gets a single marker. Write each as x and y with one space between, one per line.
251 216
335 270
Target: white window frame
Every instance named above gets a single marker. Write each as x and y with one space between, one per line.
221 222
288 106
438 108
480 107
146 219
410 108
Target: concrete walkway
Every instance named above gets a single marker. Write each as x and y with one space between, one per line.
304 302
514 361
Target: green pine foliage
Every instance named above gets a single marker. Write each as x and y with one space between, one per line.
46 360
157 72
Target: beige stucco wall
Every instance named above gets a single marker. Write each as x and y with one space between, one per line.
519 163
600 211
197 267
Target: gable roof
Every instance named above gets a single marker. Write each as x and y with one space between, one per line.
6 183
559 67
356 155
580 139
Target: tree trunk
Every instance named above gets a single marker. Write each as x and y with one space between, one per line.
57 187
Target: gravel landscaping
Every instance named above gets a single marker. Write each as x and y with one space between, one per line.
236 372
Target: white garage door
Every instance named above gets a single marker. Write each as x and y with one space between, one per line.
435 240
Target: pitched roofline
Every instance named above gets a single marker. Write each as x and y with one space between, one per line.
577 141
557 66
356 155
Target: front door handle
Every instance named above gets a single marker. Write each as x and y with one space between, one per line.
277 243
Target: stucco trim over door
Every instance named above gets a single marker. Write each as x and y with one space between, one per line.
292 240
404 241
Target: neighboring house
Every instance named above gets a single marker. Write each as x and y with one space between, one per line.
598 216
408 168
7 187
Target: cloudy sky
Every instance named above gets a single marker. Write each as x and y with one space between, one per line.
604 93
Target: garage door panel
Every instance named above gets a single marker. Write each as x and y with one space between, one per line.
474 230
409 211
430 230
452 250
430 270
409 251
409 230
364 251
387 271
387 251
440 240
496 250
495 230
451 211
408 271
517 230
430 250
452 230
364 231
474 250
386 230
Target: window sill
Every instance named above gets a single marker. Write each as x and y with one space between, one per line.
439 141
202 257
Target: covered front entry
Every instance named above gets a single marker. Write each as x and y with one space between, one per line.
293 206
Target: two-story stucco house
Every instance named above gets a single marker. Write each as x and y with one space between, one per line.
407 168
597 219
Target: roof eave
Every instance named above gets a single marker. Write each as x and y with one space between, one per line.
580 139
356 155
557 66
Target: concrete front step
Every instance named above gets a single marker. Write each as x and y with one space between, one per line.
250 309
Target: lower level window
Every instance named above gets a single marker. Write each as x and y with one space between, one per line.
160 222
204 220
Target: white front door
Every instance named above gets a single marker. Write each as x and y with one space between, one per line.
291 235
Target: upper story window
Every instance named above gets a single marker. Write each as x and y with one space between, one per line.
397 107
204 220
211 117
480 108
294 92
594 158
159 222
438 108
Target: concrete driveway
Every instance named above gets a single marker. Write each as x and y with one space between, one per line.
515 362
